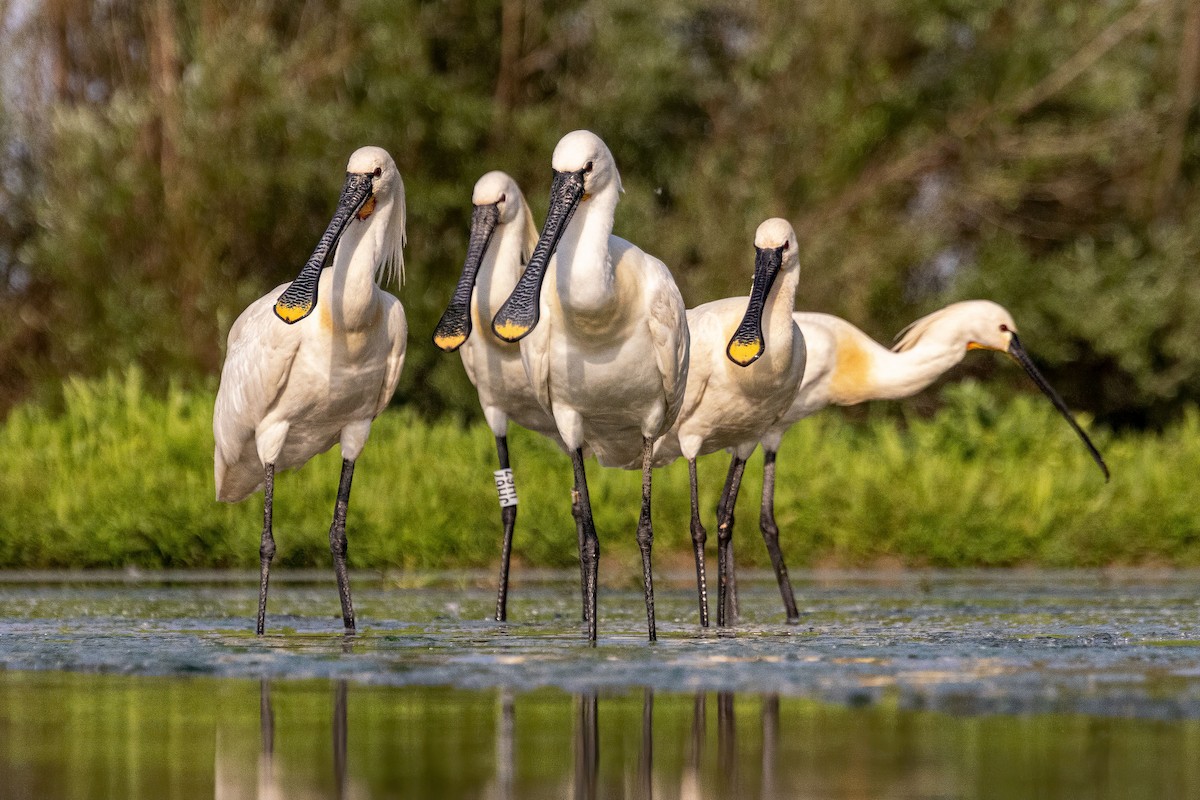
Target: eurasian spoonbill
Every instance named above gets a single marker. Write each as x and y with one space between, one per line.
502 239
293 385
609 359
747 359
847 367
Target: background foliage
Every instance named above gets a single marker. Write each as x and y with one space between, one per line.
163 163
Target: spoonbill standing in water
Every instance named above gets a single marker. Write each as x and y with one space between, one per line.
609 358
502 239
847 367
293 385
747 359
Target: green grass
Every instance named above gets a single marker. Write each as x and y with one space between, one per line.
122 477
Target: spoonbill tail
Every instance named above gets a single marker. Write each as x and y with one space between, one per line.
847 367
295 383
609 357
747 359
502 239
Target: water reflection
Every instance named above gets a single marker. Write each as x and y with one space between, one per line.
94 736
584 782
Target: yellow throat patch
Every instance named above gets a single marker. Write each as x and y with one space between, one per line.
743 353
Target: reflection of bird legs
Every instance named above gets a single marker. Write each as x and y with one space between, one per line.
587 748
266 722
689 783
504 746
646 756
339 738
727 743
770 743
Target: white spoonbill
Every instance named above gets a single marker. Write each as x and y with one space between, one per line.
747 359
293 385
609 357
502 239
847 367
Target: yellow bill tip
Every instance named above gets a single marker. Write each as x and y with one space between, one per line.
744 353
290 314
449 342
510 331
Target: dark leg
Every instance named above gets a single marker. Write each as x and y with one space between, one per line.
587 748
266 550
770 532
577 513
589 554
699 537
508 516
725 611
337 543
645 538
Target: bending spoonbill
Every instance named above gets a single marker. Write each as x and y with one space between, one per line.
847 367
502 238
747 359
609 357
295 383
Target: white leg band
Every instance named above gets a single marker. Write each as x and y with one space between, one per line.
505 488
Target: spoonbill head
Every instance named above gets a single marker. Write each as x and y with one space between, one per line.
497 201
372 182
775 251
584 169
984 325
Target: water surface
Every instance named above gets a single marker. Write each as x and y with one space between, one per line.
931 685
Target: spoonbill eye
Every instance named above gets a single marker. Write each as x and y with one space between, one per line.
588 167
1003 327
378 171
786 245
503 197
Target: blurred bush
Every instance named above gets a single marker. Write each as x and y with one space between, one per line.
163 163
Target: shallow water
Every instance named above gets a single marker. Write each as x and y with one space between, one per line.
933 685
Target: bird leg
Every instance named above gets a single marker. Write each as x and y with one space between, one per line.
699 537
577 513
726 613
337 543
589 553
770 532
508 516
645 537
266 549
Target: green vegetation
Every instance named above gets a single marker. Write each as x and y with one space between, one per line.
161 164
123 476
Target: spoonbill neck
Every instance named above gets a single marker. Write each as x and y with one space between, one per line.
897 375
586 274
501 268
350 281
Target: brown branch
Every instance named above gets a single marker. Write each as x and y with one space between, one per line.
963 126
1185 100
